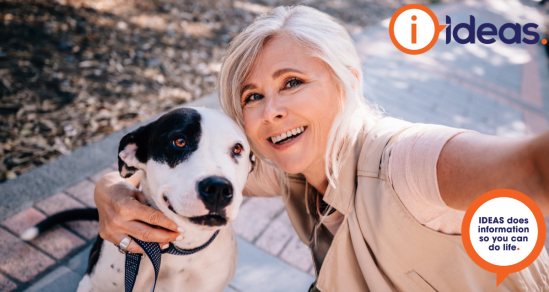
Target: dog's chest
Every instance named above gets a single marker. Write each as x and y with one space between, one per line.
209 270
176 273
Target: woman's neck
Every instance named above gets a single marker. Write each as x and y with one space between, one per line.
316 176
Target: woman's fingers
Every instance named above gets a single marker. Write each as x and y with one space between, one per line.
148 233
133 247
140 197
121 213
152 216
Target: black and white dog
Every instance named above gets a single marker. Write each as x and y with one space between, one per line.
195 163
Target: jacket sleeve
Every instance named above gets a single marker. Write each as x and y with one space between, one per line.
412 170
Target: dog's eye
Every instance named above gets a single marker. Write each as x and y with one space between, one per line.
237 149
179 143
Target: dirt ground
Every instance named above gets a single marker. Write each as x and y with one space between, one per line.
74 71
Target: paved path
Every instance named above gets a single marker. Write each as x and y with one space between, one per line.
494 89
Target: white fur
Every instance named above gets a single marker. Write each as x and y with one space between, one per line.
29 234
211 269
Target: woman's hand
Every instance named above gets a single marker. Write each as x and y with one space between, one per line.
122 212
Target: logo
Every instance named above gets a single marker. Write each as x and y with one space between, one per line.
414 30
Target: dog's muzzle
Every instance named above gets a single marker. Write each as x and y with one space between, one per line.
216 192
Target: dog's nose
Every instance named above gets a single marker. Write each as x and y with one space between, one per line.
215 191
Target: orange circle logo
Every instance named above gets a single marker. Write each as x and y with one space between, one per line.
503 232
414 29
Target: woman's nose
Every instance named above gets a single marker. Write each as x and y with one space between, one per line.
273 110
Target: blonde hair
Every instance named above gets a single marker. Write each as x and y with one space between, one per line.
326 40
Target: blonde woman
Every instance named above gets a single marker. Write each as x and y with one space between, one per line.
380 201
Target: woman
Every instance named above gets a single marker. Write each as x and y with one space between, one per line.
379 200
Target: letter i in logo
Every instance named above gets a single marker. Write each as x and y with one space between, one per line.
414 30
404 25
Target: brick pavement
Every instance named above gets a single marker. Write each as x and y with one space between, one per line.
23 262
494 89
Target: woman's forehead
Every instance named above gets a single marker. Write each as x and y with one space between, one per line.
280 55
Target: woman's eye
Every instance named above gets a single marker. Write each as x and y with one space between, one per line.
253 97
293 83
237 148
180 143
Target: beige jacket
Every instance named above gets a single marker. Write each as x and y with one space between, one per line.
380 246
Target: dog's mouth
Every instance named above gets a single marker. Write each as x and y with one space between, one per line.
211 219
169 204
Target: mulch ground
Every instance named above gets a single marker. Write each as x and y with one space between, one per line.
72 72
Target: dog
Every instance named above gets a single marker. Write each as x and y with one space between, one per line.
195 162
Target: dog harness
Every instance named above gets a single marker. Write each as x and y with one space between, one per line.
153 251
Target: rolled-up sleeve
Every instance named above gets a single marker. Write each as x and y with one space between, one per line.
412 170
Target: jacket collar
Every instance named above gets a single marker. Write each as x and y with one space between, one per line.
341 197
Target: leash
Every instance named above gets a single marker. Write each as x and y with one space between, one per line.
153 251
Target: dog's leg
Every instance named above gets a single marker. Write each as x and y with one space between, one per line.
108 272
85 285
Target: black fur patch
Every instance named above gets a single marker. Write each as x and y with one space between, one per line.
155 140
178 123
252 162
94 254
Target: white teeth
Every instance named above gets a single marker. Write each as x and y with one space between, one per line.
290 133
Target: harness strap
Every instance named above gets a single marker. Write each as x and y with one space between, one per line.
153 251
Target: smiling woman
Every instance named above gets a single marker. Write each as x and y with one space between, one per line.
291 53
379 201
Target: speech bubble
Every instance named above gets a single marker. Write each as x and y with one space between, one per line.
424 10
513 255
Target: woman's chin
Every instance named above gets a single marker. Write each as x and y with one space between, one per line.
293 165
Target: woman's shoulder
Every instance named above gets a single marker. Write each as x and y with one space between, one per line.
412 170
375 138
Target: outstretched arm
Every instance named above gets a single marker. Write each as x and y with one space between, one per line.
472 164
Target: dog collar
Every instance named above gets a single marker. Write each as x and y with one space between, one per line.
153 251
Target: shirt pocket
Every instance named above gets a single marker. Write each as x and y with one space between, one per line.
421 283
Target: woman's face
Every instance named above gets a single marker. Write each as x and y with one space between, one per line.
289 91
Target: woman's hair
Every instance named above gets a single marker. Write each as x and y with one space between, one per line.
326 40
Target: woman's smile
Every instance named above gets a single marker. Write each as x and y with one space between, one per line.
288 138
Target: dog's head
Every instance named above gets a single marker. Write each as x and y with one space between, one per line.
196 162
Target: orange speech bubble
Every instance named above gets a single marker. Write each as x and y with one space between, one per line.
503 270
438 29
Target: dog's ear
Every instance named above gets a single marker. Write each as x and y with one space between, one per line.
252 161
132 151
